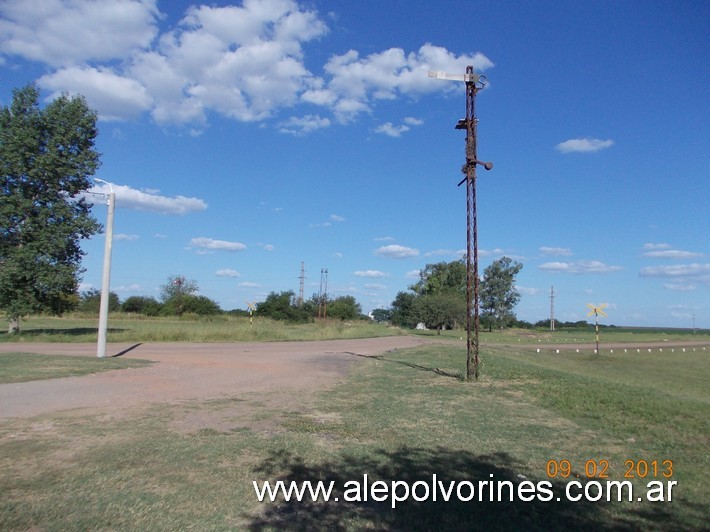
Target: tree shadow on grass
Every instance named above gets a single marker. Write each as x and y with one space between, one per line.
75 331
411 464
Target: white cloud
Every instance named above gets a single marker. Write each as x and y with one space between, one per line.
672 254
680 287
582 266
383 239
332 218
651 246
356 83
391 130
123 236
212 244
694 271
413 274
372 274
244 62
301 125
69 32
248 285
268 247
130 198
375 286
584 145
117 97
555 252
395 251
227 273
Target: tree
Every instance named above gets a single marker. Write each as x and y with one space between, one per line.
46 158
201 305
148 306
281 307
497 292
381 315
345 308
174 292
90 302
443 277
440 311
403 310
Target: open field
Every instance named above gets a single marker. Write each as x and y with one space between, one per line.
131 328
215 417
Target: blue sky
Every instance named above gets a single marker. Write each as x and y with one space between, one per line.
244 138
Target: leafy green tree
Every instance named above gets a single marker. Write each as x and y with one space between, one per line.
148 306
440 311
403 310
46 158
282 307
201 305
174 292
90 302
381 315
497 292
443 277
344 308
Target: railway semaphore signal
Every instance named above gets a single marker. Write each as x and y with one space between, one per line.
474 83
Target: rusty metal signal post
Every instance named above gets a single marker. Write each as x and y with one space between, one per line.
474 83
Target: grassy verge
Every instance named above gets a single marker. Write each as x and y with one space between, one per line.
126 328
403 416
21 367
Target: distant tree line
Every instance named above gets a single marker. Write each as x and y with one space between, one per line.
286 307
178 296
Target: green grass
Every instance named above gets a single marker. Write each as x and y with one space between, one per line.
21 367
128 328
402 416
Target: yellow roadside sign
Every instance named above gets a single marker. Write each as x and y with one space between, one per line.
596 310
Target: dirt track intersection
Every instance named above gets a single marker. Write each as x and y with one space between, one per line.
189 371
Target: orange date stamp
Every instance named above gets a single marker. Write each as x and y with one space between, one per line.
602 469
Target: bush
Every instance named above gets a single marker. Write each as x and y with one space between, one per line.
280 307
147 306
90 302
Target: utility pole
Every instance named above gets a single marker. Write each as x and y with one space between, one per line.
323 295
302 278
474 83
552 308
106 277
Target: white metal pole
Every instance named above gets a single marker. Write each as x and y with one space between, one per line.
106 279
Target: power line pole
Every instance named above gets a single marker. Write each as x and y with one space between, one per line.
302 278
474 83
323 295
552 308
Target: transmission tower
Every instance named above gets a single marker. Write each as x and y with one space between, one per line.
474 83
302 278
552 308
323 294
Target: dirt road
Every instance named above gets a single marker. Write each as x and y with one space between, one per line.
186 371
